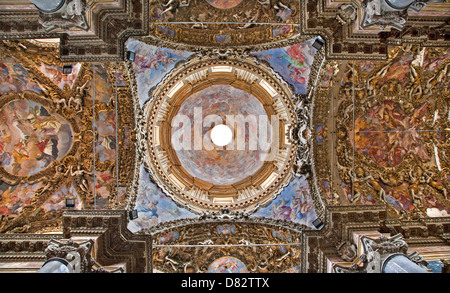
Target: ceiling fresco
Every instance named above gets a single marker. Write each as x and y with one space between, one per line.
224 22
230 164
293 63
338 128
48 137
214 79
151 64
32 138
294 203
349 28
390 133
154 206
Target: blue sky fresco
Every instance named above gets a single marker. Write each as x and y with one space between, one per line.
294 204
154 206
151 64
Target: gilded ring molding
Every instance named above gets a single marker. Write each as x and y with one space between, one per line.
198 195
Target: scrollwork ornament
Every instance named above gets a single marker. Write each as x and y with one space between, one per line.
347 251
420 174
347 13
74 105
376 251
383 13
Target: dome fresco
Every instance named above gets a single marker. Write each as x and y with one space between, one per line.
227 265
293 63
151 64
294 204
229 164
190 101
153 206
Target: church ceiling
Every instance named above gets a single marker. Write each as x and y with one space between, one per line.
276 249
48 140
53 124
66 118
224 23
361 114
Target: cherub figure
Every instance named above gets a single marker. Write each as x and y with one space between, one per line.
375 185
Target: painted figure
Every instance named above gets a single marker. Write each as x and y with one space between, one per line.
387 134
293 63
31 138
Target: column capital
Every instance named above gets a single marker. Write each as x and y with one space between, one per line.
377 252
64 14
78 255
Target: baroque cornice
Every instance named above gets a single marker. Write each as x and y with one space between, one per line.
345 42
116 244
341 222
110 27
319 60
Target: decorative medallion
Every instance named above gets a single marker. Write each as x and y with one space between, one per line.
227 264
224 4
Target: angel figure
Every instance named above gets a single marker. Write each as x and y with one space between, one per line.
375 185
415 179
77 99
79 173
436 184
